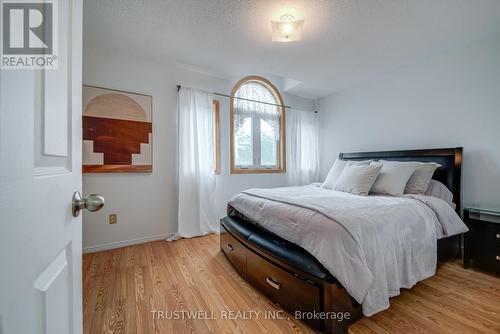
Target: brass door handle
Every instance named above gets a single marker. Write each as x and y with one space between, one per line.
92 202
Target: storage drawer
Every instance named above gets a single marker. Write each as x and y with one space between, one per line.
486 233
485 241
489 261
291 292
234 250
263 275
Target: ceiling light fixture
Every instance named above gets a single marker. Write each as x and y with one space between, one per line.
287 29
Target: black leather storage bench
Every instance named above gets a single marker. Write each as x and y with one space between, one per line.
284 250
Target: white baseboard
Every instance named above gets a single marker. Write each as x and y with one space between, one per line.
125 243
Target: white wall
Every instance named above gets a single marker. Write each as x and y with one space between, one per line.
447 101
146 204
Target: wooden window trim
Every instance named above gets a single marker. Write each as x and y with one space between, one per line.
216 135
281 147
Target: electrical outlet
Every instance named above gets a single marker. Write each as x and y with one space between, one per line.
113 218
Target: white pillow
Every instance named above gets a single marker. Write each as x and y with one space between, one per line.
393 177
336 170
358 179
419 181
439 190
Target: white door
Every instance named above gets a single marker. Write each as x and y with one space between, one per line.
40 169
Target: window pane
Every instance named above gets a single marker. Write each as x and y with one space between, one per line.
269 130
256 122
243 148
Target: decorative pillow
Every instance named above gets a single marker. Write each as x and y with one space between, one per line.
336 170
419 181
358 179
439 190
393 177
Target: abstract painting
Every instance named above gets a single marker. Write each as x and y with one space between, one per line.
117 131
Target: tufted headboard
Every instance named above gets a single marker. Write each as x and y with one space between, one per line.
450 160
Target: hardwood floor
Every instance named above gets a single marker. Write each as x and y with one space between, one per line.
123 288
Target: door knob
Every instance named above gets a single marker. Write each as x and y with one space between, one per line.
92 202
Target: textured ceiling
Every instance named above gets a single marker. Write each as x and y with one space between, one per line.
345 42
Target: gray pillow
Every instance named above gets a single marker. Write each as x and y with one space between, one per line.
419 181
393 177
358 179
439 190
336 170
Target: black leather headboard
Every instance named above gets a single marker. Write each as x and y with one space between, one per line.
450 160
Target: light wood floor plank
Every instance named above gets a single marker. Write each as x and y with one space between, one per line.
123 286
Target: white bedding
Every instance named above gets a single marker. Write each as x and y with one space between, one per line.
373 245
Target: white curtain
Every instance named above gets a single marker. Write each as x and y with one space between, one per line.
197 183
247 106
302 147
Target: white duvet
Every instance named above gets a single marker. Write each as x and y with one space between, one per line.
373 245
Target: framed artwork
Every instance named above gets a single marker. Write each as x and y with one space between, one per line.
117 131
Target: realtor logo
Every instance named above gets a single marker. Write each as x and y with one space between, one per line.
29 34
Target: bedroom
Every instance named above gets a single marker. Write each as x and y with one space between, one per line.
250 166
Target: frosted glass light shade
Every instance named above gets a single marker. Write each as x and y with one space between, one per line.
287 31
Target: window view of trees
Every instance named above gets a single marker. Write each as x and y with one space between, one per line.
243 141
268 143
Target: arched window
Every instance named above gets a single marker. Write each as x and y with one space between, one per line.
257 127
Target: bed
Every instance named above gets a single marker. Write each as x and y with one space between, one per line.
323 255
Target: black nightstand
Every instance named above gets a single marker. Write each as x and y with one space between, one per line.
482 242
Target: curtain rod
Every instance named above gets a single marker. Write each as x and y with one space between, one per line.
250 100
